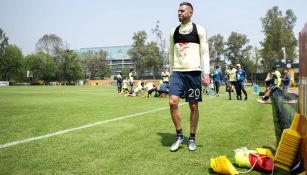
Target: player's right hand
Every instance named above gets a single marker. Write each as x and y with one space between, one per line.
205 79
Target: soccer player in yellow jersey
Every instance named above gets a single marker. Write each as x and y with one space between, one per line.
131 78
125 85
232 80
165 76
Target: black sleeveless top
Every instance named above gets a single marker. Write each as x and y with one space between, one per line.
186 38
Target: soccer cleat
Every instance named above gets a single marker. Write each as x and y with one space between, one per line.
262 101
245 98
292 101
175 146
192 145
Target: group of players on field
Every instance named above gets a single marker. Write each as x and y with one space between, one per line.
234 79
125 85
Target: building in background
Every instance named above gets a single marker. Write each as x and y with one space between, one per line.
117 57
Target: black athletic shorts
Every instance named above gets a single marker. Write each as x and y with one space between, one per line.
187 84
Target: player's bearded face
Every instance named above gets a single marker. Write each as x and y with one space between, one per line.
184 13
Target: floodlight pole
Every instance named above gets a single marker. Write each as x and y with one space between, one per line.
284 52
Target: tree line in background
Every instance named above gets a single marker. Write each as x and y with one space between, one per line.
54 61
279 43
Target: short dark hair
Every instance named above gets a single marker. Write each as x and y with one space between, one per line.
187 4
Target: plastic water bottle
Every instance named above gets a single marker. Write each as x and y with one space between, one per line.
256 89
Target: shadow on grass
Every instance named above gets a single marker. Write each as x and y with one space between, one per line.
276 171
167 139
210 171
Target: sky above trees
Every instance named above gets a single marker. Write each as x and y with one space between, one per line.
96 23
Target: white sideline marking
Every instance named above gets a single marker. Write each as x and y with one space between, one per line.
77 128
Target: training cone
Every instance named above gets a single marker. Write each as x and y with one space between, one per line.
261 162
266 152
288 145
222 165
242 157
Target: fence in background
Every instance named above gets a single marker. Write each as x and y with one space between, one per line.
286 104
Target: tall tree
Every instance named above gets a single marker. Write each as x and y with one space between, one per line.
51 68
216 51
238 50
138 51
257 60
71 69
104 71
216 48
152 60
3 44
49 44
125 71
10 62
4 41
256 65
85 59
42 66
146 57
160 42
278 32
93 62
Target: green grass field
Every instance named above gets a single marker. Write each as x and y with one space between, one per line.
137 143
